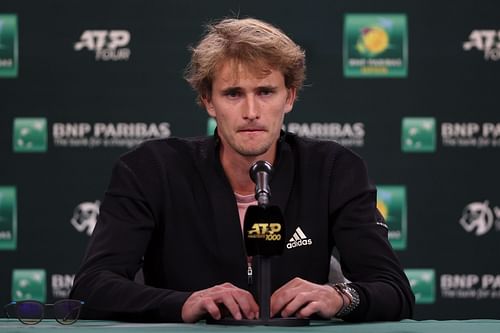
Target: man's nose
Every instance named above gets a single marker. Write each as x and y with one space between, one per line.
251 108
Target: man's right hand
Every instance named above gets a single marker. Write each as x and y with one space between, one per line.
240 303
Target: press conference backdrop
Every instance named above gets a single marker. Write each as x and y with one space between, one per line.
412 86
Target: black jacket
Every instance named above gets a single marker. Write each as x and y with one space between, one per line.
170 209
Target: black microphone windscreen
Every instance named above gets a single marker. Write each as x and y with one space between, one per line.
264 231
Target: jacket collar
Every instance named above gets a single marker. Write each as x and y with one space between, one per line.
282 180
227 237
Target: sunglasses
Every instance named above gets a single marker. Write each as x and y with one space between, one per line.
65 311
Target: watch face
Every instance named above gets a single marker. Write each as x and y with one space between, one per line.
349 292
346 290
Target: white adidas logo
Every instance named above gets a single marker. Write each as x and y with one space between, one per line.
298 239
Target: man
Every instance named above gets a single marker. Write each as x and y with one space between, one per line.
175 206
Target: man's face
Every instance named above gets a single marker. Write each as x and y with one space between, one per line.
249 107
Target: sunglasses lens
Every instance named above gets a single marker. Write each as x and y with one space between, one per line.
67 312
30 313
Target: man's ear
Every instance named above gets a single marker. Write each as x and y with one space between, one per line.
207 102
290 99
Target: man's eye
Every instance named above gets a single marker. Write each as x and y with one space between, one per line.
266 92
232 94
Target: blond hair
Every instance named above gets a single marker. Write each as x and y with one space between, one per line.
248 41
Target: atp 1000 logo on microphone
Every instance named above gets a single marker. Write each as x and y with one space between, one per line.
265 231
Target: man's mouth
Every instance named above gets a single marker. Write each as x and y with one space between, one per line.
251 129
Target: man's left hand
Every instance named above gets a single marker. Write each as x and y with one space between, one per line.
303 298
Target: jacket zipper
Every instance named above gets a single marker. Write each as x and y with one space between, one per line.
249 271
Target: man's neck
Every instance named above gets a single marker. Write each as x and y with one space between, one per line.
236 168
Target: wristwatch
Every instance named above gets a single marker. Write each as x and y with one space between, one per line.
352 295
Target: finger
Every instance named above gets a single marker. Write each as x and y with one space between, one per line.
280 299
319 302
300 300
247 304
230 303
207 305
293 283
310 309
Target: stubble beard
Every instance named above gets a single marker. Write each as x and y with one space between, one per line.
252 151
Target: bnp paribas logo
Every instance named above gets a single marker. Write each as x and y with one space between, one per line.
8 218
29 284
29 135
211 125
391 202
418 135
8 45
375 45
423 284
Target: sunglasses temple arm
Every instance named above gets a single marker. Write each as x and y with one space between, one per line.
5 307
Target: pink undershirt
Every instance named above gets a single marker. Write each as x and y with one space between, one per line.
243 202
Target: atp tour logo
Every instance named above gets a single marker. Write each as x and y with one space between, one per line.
85 216
479 218
108 45
487 41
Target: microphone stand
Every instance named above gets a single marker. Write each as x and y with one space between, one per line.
261 173
264 298
264 287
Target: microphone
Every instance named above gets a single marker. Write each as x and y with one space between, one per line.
261 173
264 226
264 235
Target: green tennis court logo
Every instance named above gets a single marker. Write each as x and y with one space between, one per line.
418 135
211 125
29 284
391 202
8 218
29 135
375 45
423 284
8 45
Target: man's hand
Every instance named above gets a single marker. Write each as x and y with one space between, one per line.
303 298
240 303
